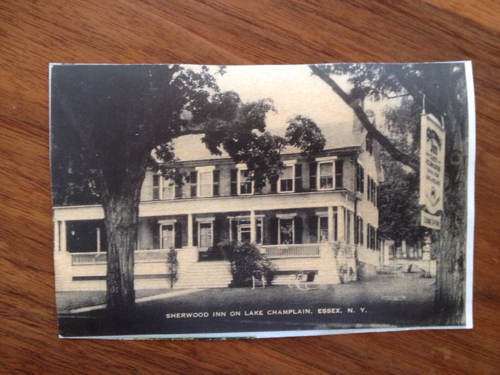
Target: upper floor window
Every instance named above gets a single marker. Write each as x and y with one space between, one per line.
204 182
286 179
241 183
163 188
326 175
291 177
245 182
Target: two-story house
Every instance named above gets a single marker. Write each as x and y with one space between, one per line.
320 216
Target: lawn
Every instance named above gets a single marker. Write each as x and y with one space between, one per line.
381 302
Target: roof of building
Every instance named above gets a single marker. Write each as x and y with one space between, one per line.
340 135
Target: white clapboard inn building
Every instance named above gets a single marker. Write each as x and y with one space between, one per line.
321 216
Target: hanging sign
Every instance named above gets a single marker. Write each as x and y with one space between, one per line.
432 140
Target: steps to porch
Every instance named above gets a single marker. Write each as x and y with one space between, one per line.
203 275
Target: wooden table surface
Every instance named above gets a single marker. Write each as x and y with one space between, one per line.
35 33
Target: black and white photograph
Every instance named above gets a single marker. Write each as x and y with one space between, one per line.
257 201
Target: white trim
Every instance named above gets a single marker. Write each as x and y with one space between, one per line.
205 219
206 168
326 158
286 216
167 222
290 162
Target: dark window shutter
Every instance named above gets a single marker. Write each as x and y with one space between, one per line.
178 191
195 233
313 170
298 177
234 182
339 174
362 180
156 187
217 231
361 233
178 235
274 187
356 233
313 229
216 176
298 229
234 230
193 176
273 229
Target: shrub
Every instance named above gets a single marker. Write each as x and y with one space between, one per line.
172 266
246 260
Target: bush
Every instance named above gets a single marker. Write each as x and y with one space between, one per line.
247 261
172 266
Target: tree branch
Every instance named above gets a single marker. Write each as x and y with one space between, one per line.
372 130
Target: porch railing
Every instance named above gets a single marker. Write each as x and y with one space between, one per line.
80 259
295 250
140 256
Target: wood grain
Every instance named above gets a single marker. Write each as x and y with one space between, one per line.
34 33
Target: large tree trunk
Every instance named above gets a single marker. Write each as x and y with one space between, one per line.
452 244
121 210
121 221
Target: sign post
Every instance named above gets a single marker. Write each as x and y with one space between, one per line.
432 141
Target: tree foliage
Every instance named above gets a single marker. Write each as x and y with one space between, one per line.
110 123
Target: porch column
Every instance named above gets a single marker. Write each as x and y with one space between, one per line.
341 224
190 230
253 227
63 244
330 225
230 229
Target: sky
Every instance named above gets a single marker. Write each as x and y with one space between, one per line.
294 90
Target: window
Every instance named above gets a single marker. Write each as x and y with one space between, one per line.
286 231
360 178
205 184
313 175
205 230
163 188
167 236
286 179
323 229
245 229
326 176
246 185
339 174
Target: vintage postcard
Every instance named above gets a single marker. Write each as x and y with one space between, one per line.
261 201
